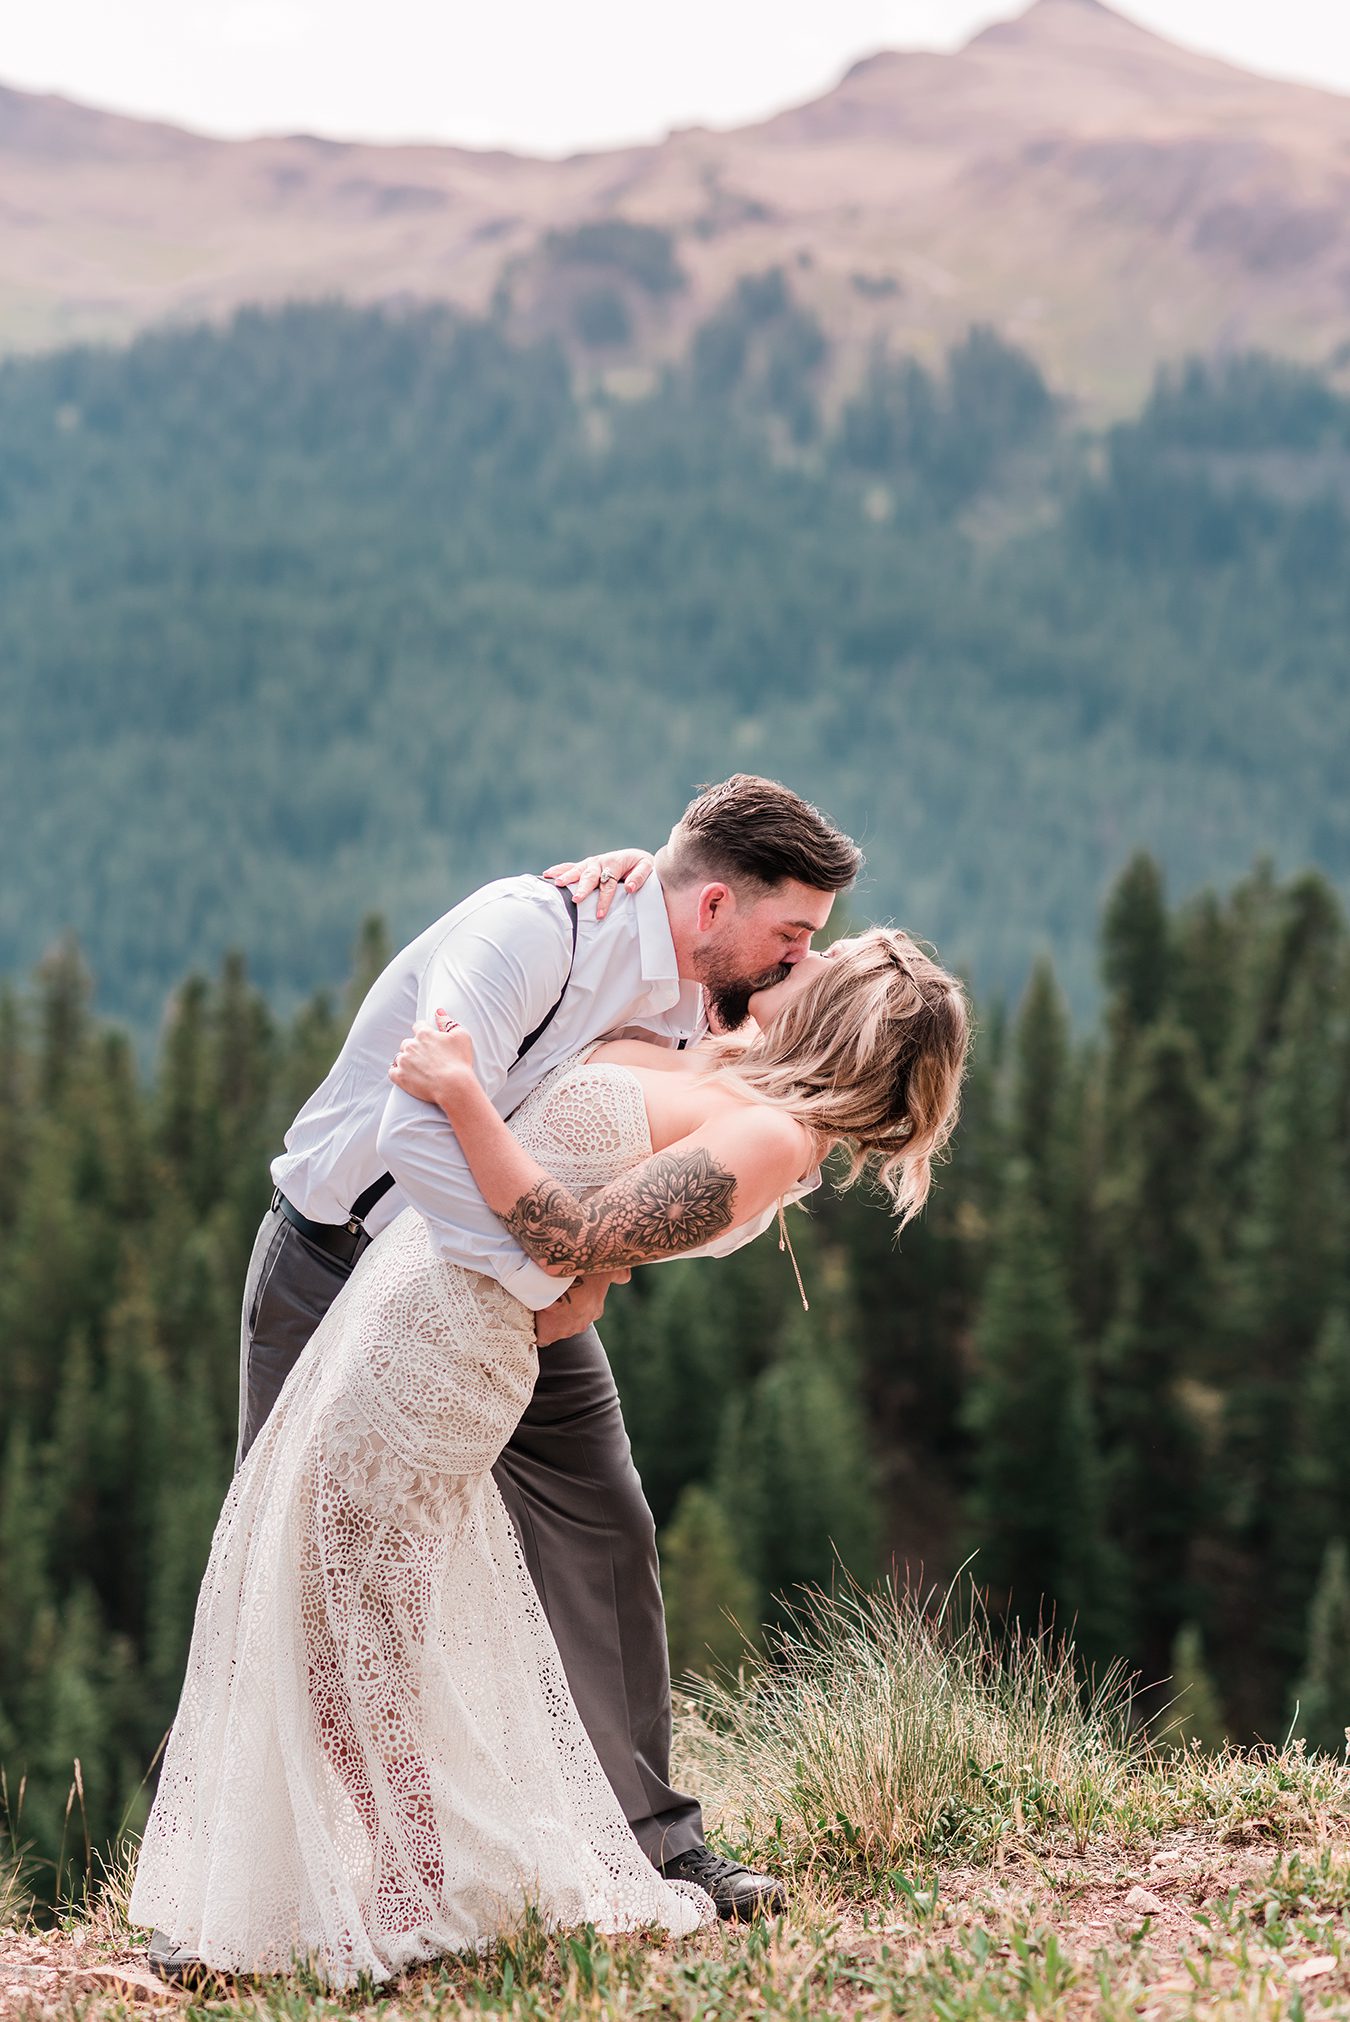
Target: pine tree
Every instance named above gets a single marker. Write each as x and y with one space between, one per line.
188 1496
1319 1479
1137 972
242 1042
676 1360
73 1518
1287 1271
1041 1128
112 1107
1205 983
196 1281
1136 949
794 1474
189 1125
1052 1125
15 1111
1092 1262
1284 938
711 1605
1150 1448
240 1083
1313 1500
24 1585
62 1721
895 1305
65 990
1194 1713
134 1436
1323 1692
1034 1503
315 1041
51 1287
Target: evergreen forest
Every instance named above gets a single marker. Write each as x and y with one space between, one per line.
1111 1361
331 610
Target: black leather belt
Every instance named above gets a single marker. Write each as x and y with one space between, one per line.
343 1241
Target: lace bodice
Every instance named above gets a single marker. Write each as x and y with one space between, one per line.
585 1123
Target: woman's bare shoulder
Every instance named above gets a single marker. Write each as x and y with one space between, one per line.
775 1133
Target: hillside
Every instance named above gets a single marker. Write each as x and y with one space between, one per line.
950 1876
1103 198
332 611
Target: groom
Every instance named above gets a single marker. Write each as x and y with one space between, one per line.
746 878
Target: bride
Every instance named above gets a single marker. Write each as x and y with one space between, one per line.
376 1757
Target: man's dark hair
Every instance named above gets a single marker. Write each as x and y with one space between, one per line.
753 831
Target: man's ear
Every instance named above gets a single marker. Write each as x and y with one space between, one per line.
715 902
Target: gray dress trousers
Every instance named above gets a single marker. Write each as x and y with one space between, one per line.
571 1489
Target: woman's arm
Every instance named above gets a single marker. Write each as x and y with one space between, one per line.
724 1173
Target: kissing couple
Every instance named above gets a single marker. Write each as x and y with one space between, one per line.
428 1684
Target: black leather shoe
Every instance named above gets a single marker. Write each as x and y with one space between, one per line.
176 1964
737 1892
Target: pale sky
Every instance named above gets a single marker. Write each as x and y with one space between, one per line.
546 76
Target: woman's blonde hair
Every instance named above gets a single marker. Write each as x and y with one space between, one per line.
871 1051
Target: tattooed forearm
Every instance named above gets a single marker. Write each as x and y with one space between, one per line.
670 1203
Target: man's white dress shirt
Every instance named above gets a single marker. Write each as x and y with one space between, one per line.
497 962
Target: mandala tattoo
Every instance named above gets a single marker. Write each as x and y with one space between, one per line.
670 1203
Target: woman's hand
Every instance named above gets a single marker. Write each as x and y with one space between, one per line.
434 1060
610 872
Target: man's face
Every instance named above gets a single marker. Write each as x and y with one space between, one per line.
748 947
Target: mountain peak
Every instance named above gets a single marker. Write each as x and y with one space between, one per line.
1044 10
1072 23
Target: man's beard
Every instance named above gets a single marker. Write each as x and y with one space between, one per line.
729 996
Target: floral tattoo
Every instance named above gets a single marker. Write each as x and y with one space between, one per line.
670 1203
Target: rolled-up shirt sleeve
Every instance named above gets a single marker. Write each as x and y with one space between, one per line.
498 973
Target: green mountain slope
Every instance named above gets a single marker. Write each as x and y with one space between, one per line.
333 610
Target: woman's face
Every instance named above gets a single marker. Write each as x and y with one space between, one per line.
765 1005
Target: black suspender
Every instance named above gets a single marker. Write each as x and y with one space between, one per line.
377 1189
364 1202
542 1027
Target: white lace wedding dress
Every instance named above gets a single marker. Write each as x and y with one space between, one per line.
376 1757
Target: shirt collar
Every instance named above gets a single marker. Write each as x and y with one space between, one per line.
655 943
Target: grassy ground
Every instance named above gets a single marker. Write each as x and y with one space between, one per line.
964 1839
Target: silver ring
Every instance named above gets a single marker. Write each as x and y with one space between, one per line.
606 877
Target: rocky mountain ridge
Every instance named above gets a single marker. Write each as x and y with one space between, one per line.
1101 196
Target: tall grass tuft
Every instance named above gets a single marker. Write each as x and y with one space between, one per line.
878 1733
17 1894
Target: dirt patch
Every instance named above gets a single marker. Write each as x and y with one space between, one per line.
1140 1911
1102 1899
48 1972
